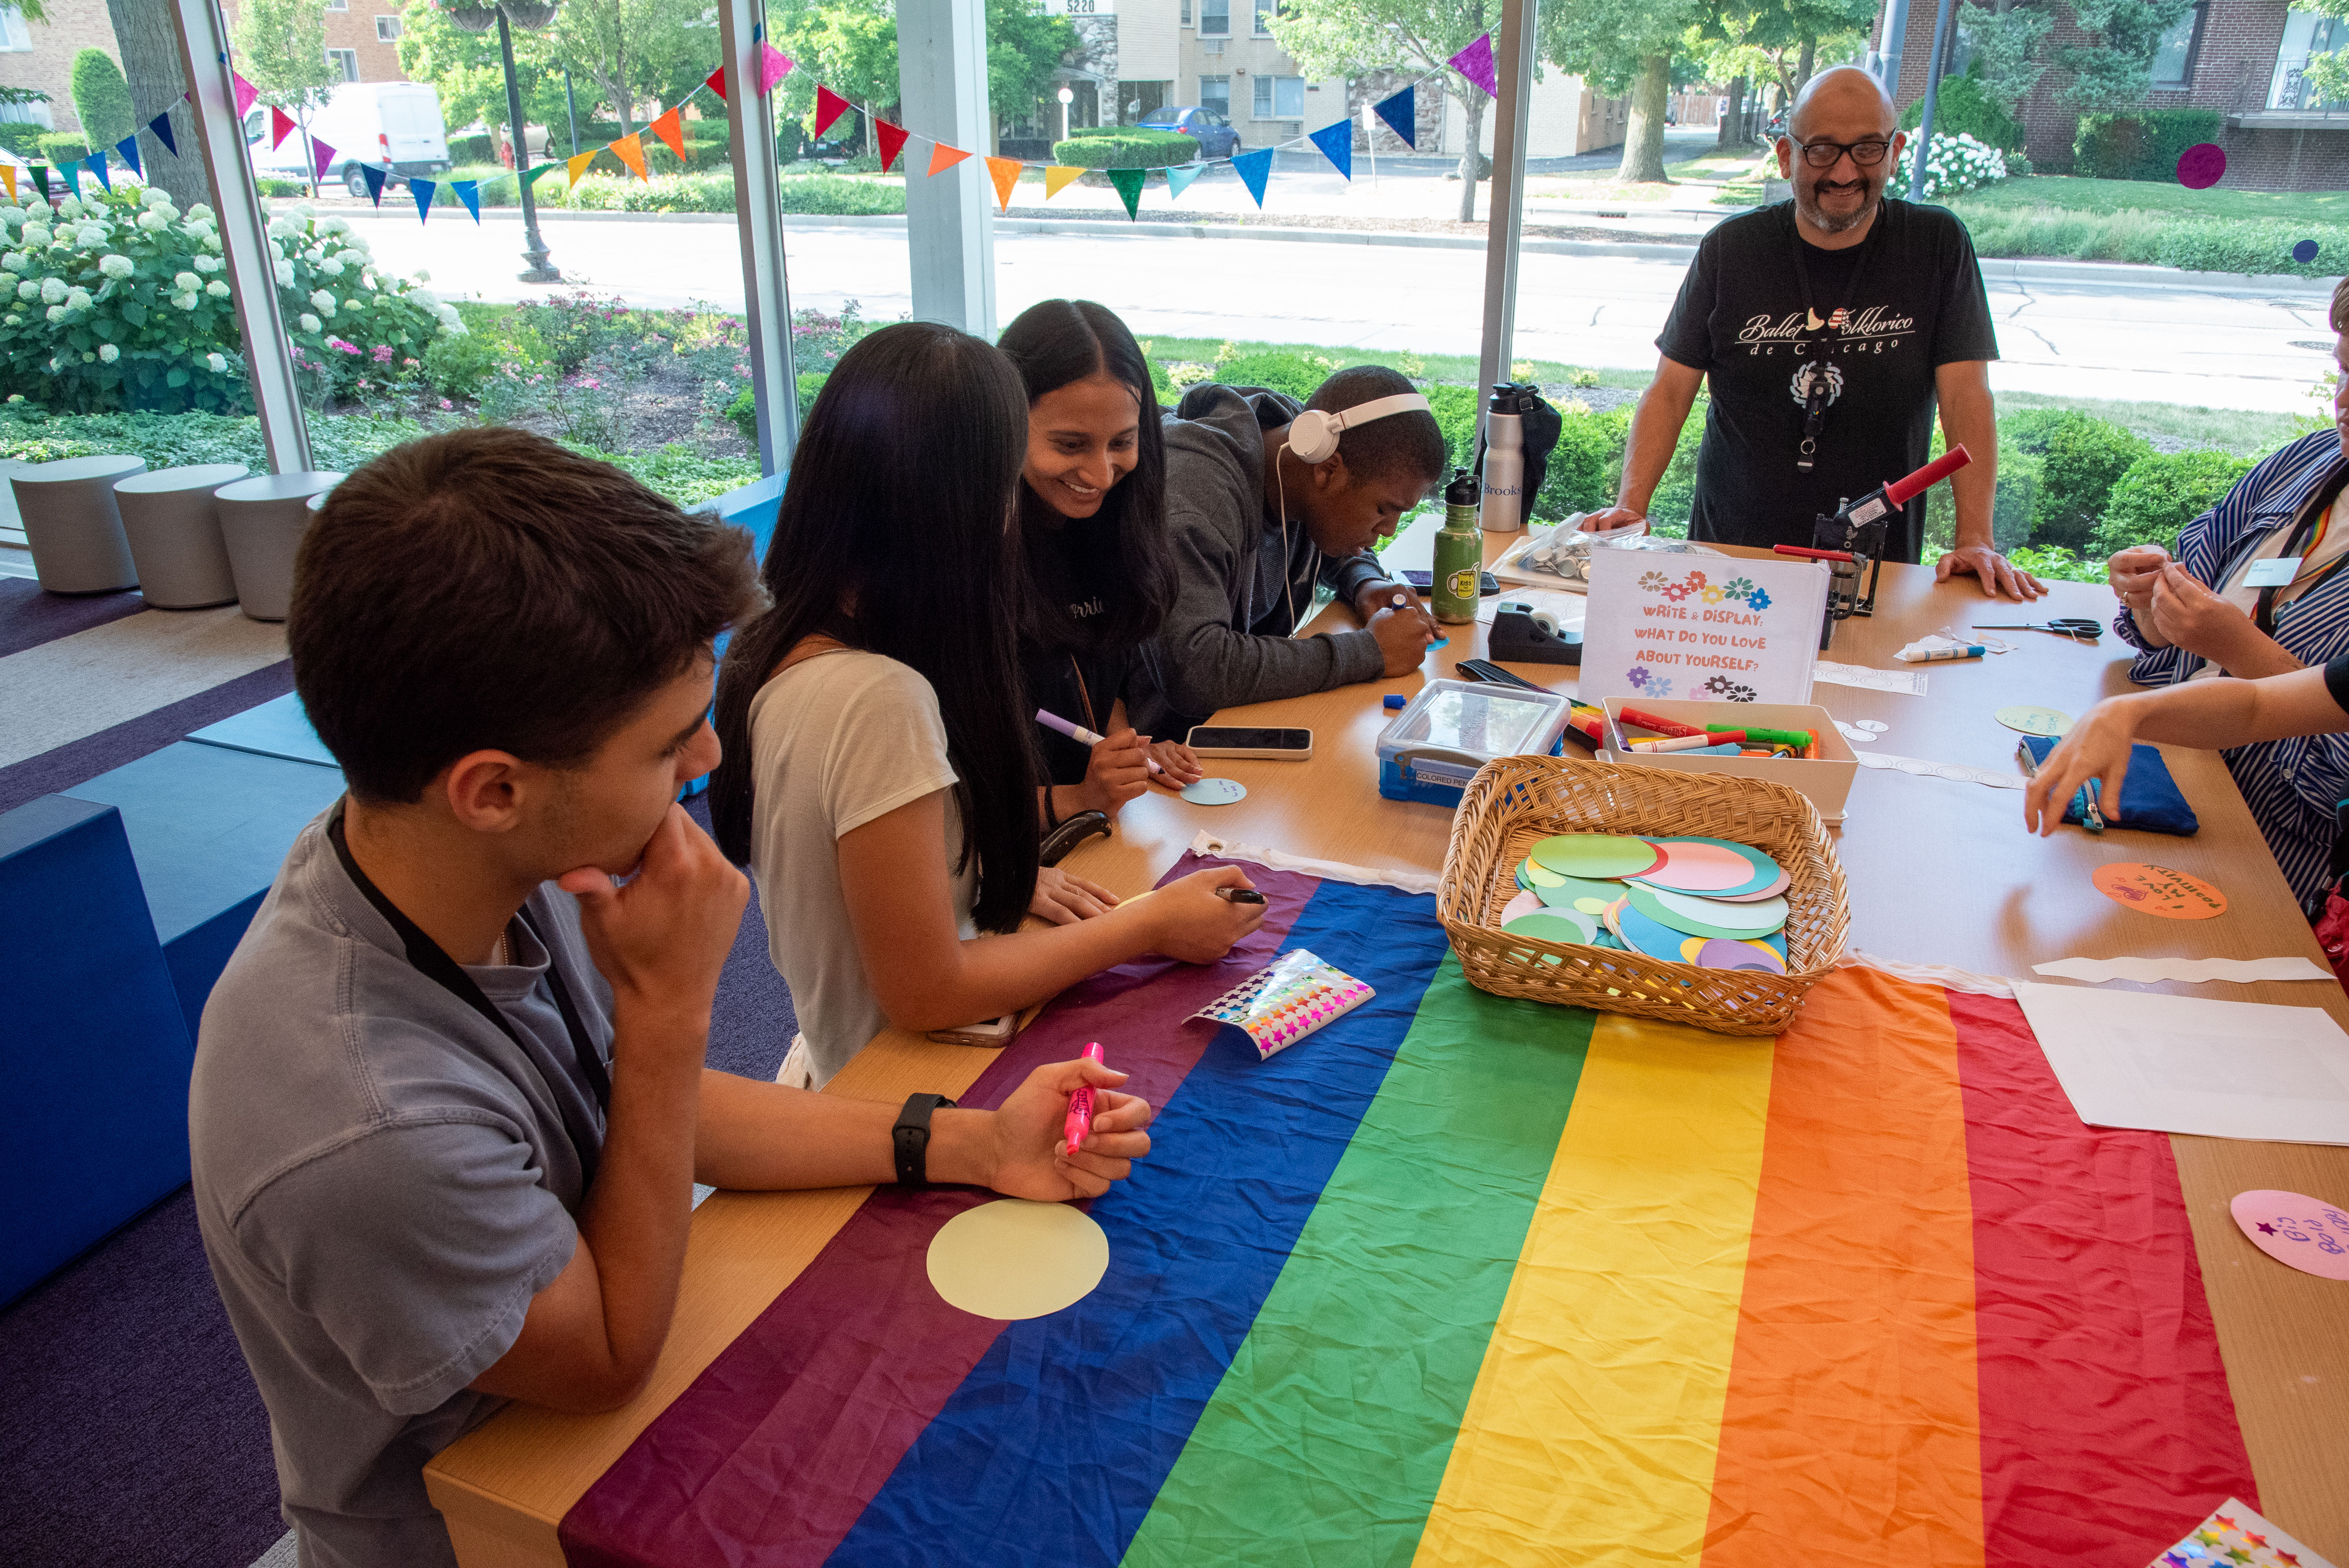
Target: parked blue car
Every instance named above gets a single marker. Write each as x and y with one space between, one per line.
1215 136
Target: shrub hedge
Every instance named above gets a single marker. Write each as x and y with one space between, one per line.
1963 108
822 194
2081 458
2161 494
1125 147
2141 146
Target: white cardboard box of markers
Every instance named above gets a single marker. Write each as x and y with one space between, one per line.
1825 779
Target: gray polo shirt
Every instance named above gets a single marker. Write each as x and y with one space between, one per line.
384 1180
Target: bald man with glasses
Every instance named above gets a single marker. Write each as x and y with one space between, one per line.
1831 328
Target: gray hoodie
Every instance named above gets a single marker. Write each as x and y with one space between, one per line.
1227 641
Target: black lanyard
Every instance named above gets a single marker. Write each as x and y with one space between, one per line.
2265 613
1818 391
432 961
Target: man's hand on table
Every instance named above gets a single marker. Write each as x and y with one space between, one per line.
1025 1149
1617 522
2000 578
1404 631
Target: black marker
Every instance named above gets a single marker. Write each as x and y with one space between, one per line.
1240 895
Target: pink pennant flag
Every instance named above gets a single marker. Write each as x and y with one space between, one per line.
773 67
245 93
1475 63
281 126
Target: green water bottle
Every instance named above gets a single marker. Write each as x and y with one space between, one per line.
1459 552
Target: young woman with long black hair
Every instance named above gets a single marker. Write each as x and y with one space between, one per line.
878 775
1098 567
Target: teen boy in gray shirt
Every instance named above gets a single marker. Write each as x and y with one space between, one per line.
448 1099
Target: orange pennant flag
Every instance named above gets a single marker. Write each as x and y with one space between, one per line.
630 150
1005 171
670 129
8 172
1056 179
944 157
578 165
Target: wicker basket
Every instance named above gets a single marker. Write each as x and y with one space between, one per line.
1513 803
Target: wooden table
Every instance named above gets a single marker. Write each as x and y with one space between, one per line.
1939 873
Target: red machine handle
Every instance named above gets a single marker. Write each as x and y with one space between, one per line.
1897 492
1812 554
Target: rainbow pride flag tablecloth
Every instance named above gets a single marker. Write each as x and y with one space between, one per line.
1465 1279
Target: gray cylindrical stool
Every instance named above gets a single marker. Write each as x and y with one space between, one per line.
262 520
70 522
168 514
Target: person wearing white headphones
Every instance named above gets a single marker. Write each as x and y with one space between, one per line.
1265 498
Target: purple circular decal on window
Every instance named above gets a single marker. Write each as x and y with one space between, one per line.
2201 165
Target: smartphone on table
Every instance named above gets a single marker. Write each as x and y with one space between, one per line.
1240 740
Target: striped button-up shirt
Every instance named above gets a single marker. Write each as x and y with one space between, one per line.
2293 786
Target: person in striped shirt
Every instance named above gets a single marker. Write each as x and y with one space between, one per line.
2212 610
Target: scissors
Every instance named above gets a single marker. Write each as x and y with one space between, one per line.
2074 627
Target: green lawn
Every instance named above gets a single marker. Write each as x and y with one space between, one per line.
2105 197
1458 370
2241 431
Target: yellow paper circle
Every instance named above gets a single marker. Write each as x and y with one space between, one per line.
1014 1259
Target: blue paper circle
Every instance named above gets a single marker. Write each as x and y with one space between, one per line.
2304 251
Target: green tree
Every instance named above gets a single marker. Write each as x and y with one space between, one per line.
463 68
100 97
2327 74
2114 73
1348 37
849 46
1024 47
631 50
2006 51
151 60
1775 41
1629 45
282 48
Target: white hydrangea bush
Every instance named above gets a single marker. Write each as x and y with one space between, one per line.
1959 163
119 300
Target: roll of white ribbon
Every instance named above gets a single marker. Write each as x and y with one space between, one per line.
1546 621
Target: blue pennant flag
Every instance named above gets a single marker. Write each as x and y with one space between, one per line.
422 191
470 192
374 177
72 171
1337 144
161 126
128 147
97 161
1401 114
1254 168
1179 177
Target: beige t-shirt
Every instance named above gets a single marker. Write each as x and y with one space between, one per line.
837 740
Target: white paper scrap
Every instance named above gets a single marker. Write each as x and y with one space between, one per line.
2193 972
2190 1064
1911 681
1923 769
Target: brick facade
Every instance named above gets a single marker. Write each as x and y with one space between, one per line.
353 28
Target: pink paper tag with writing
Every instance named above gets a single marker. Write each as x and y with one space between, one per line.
2310 1235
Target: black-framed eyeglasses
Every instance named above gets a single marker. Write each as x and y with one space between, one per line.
1824 154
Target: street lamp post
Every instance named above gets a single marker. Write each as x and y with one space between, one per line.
1067 96
530 15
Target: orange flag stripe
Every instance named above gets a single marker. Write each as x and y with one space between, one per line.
630 150
1856 1337
670 128
942 157
1005 172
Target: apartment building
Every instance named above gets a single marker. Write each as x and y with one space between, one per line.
1137 56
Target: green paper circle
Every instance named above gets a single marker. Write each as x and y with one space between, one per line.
1595 855
1696 917
1554 926
2033 720
1571 890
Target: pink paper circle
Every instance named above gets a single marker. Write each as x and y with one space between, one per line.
2307 1233
1523 904
1772 891
2201 165
1697 869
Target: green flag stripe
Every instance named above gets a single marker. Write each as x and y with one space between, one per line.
1334 1423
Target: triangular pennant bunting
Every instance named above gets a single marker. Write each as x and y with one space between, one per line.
281 126
41 173
1254 168
322 157
670 128
532 177
1005 172
1179 178
8 173
1128 187
1475 63
1337 144
1401 114
161 126
470 192
578 165
630 150
716 82
422 191
245 93
374 178
829 106
96 163
942 157
1057 177
891 138
773 67
128 147
72 171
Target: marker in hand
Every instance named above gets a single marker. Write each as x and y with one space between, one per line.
1240 895
1080 1125
1083 737
1402 599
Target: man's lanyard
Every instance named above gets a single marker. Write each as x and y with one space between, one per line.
432 961
2315 522
1817 391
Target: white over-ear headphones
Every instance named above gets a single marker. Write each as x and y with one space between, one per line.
1313 434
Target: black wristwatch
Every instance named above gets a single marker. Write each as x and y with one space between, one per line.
911 1138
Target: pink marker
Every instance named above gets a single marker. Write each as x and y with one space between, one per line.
1080 1124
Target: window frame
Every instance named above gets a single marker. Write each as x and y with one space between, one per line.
347 61
2197 21
391 38
1208 102
15 36
1266 10
1224 31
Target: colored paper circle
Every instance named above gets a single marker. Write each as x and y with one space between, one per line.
1776 887
2151 889
2304 251
1568 892
1767 877
1215 792
1645 936
1716 953
1595 854
1523 904
1706 917
2033 720
1531 873
1553 926
2309 1234
2200 166
1591 905
1014 1259
1699 866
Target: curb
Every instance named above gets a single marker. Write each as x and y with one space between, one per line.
1993 270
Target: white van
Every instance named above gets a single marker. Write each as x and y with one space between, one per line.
379 123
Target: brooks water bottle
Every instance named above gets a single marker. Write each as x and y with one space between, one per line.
1505 463
1459 552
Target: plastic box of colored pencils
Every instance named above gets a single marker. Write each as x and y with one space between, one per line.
1822 769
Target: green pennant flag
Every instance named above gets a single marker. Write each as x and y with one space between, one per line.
40 172
532 178
1129 186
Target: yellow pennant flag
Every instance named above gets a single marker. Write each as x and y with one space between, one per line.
1005 172
1056 179
670 129
630 150
8 172
942 157
578 165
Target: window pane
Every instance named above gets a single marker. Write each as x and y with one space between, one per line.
1289 97
1266 10
2173 55
1215 17
1215 93
1264 97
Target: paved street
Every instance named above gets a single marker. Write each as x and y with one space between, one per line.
2088 337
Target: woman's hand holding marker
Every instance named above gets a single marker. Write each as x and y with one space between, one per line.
1119 769
1192 923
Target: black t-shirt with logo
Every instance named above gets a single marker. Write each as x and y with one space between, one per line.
1741 318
